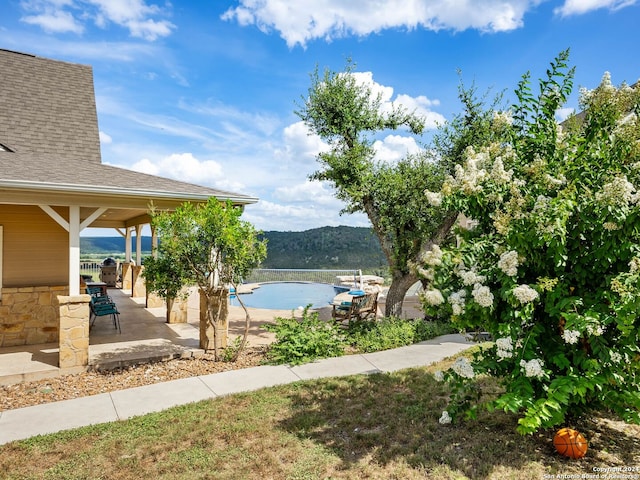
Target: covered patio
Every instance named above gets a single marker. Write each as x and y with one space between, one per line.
145 338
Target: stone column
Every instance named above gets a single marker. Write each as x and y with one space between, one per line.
126 276
138 289
74 332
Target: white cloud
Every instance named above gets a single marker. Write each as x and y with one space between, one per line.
308 192
395 147
301 21
60 16
421 105
54 21
105 138
300 145
184 167
563 113
267 215
579 7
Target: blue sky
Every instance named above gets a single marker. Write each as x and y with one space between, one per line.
205 91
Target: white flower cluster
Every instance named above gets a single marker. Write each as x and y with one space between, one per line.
611 226
502 119
439 376
533 368
615 357
469 277
433 297
571 336
508 263
482 295
504 347
525 294
457 301
444 418
434 198
433 257
618 192
634 265
498 174
469 177
595 330
463 368
552 182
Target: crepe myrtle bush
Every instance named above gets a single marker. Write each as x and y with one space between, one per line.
550 266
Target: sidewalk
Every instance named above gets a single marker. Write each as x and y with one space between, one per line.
123 404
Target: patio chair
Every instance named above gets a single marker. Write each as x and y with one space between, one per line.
360 308
102 306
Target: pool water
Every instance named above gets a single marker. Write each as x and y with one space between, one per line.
290 295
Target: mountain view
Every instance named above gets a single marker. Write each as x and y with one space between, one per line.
318 248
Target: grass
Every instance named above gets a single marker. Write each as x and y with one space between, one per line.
381 426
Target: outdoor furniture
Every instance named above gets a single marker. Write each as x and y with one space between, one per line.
360 307
101 286
102 306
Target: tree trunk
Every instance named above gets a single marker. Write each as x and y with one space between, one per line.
170 301
214 325
400 284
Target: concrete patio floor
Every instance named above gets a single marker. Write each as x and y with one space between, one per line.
145 337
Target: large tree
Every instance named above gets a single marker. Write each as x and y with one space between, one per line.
211 247
348 115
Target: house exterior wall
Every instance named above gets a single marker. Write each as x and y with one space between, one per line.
36 248
35 263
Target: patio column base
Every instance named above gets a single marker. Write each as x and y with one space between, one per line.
74 331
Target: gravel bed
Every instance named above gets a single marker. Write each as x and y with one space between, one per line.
91 383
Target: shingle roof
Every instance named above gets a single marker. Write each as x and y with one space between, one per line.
49 124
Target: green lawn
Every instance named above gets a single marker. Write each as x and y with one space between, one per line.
376 426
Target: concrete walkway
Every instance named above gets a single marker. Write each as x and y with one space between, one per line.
26 422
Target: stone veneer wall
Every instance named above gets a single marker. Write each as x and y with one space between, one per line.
29 315
74 331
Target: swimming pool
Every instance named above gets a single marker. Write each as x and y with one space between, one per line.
290 295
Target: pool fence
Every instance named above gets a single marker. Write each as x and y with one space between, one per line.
331 277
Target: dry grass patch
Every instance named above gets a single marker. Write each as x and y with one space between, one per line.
377 426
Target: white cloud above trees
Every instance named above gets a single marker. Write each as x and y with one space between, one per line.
304 20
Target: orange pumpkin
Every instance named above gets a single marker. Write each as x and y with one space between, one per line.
570 443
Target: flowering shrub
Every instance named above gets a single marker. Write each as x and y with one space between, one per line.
551 266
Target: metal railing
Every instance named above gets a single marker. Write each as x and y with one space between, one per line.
264 275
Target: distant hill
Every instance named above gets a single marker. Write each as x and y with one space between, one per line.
325 247
104 245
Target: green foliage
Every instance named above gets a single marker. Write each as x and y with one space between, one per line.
304 340
551 267
210 241
393 332
230 353
164 276
209 246
344 112
326 247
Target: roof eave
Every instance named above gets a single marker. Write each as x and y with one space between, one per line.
109 191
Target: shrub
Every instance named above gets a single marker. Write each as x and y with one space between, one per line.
304 340
551 267
393 332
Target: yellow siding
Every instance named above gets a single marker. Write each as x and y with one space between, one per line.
36 248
